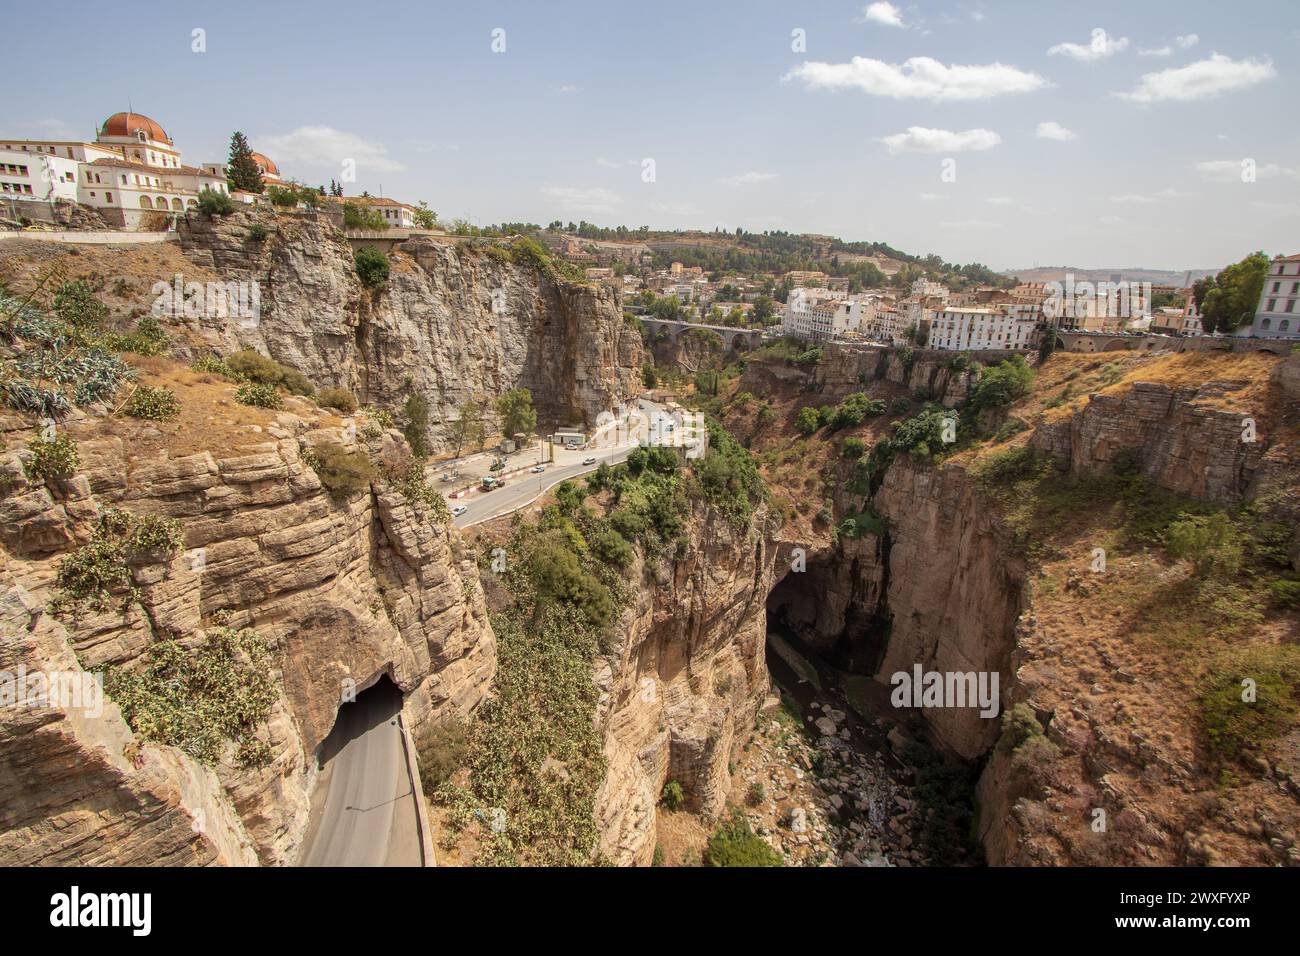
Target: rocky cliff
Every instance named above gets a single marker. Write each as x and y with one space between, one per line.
343 591
680 691
1115 666
452 323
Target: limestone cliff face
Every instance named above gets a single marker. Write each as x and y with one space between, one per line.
685 682
851 368
450 323
944 586
1186 446
342 592
844 369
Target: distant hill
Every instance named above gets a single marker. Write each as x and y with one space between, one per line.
1154 276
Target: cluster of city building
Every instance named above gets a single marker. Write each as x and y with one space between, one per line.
130 173
991 319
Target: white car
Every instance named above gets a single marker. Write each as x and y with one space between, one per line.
459 510
589 461
537 469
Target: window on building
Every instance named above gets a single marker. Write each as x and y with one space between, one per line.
1284 325
108 197
1265 324
1272 305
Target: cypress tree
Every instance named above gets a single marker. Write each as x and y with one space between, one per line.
243 173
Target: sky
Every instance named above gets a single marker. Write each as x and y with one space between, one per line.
1152 134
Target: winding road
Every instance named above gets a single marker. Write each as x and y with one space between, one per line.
524 489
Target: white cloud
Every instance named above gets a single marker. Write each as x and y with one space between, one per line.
1054 130
883 12
324 146
1149 198
572 199
919 139
1218 74
747 179
1099 47
1229 170
615 163
567 88
920 77
1184 42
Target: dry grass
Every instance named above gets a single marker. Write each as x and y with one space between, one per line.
210 419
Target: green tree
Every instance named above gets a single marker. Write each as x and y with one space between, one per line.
1211 542
357 216
764 311
241 170
808 420
516 412
416 429
425 217
469 428
372 266
1230 301
1003 383
1048 344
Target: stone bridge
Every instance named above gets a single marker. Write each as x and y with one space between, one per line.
734 339
1086 342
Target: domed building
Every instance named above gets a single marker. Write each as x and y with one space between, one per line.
130 174
141 139
270 171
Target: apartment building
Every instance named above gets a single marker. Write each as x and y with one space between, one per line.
975 329
1278 313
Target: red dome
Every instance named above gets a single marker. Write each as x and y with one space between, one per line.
266 164
127 124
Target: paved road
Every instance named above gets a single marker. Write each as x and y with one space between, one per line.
521 490
368 816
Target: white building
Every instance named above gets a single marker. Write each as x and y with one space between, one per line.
131 170
888 325
977 329
923 288
1278 313
810 314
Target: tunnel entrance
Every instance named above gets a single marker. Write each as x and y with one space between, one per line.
364 808
377 704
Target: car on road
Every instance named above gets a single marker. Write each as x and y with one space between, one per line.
537 469
459 510
589 461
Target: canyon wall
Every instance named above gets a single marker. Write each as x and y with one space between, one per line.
451 322
343 592
684 684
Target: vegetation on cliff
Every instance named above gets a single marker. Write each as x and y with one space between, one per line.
201 698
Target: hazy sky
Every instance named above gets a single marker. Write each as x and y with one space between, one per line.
1069 145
